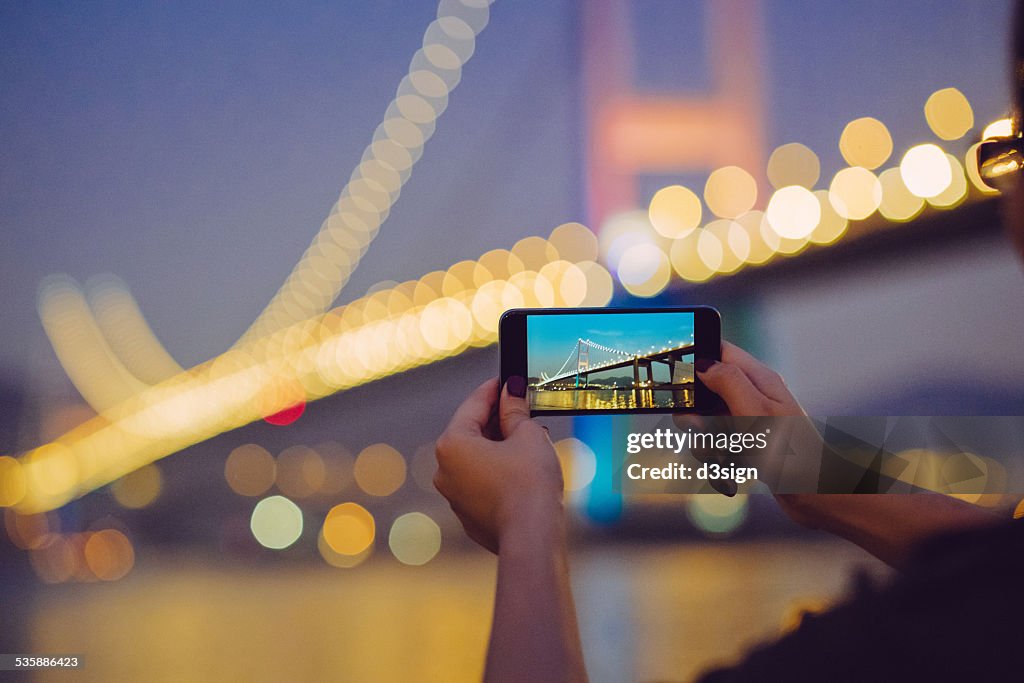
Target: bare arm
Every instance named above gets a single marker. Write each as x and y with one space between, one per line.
535 635
503 481
888 526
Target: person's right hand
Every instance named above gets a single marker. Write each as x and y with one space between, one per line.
748 386
751 388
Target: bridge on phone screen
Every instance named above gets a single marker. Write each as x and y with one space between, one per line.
615 359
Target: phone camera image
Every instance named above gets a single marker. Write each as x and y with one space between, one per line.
594 362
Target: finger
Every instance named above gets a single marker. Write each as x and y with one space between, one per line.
763 377
514 408
471 417
735 388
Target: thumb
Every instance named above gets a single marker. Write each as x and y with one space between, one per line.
514 408
735 388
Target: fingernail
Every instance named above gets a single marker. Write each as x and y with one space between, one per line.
516 386
704 364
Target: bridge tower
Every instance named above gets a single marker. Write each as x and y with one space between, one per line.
582 362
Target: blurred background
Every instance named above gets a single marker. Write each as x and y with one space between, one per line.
216 435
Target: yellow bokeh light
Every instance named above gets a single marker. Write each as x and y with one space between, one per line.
622 231
349 529
276 522
250 470
300 471
578 463
831 226
55 560
1000 128
855 193
735 247
574 242
793 164
12 481
534 252
793 212
568 282
971 167
644 270
956 191
779 244
730 192
898 203
414 539
675 211
29 531
949 114
600 286
340 560
446 323
109 554
379 470
139 488
460 278
926 171
865 142
759 250
710 249
500 263
717 515
686 260
51 469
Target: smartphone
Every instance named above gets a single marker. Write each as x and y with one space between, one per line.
611 360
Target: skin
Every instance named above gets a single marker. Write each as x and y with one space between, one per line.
499 472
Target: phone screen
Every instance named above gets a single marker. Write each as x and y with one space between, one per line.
582 361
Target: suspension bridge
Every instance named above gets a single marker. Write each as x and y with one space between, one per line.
584 367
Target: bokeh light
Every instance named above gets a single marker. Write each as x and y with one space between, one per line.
855 193
717 515
956 191
971 167
380 469
139 488
338 463
793 212
949 114
12 481
574 242
250 470
793 164
300 471
578 462
865 142
675 211
349 529
276 522
926 171
687 260
414 538
730 192
644 270
831 226
108 554
898 202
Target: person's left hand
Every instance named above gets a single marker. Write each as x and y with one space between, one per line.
498 469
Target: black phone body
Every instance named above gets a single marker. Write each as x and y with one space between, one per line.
581 361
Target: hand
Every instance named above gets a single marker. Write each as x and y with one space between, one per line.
497 468
748 386
751 388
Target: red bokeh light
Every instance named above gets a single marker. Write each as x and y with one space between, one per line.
288 415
